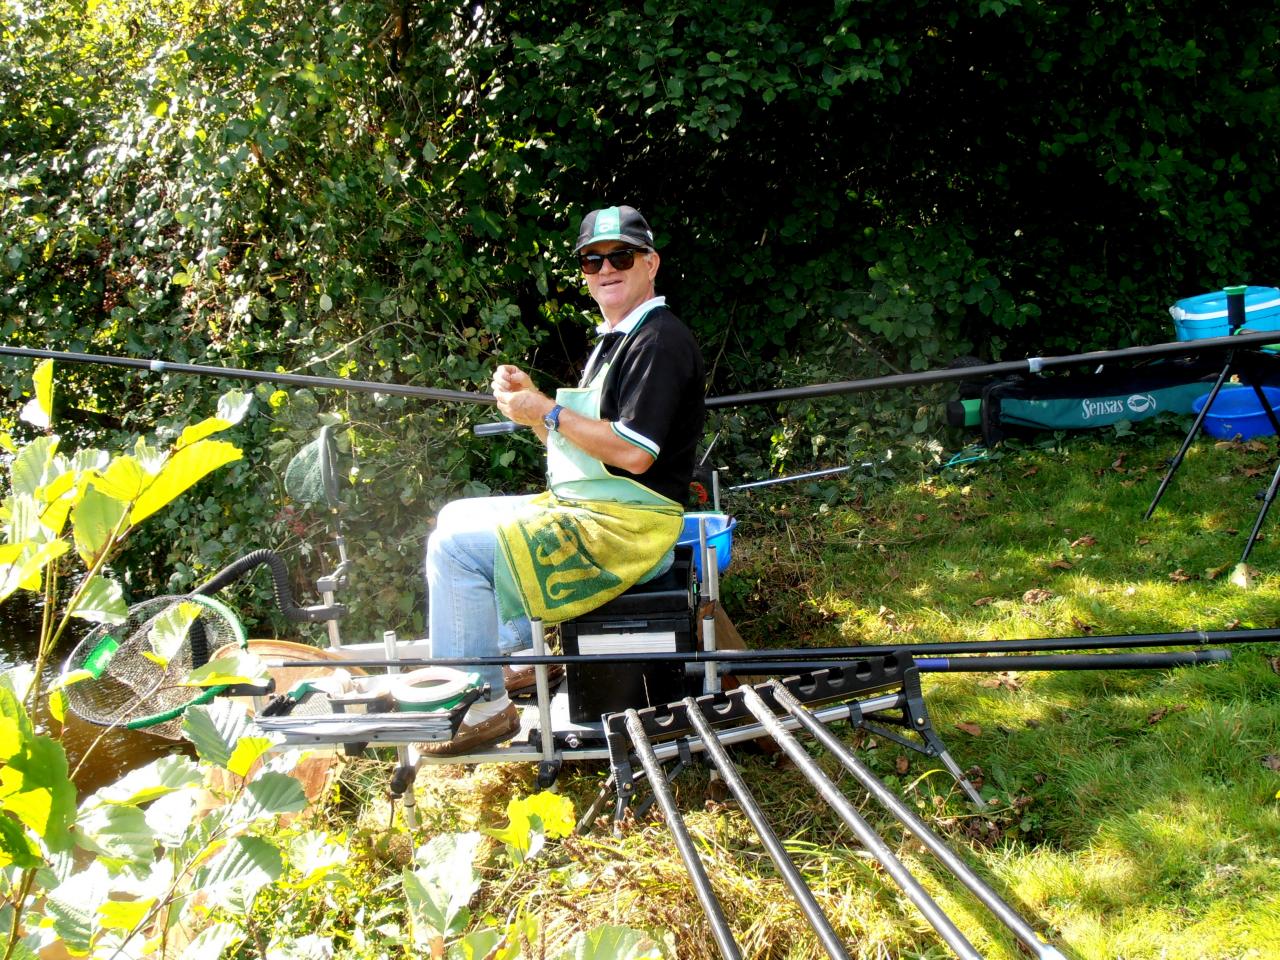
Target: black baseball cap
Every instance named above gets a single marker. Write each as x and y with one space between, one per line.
615 223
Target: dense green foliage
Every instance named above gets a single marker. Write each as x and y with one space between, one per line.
389 192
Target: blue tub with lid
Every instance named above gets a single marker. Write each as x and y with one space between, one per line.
1198 318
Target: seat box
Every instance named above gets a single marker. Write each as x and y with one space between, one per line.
655 617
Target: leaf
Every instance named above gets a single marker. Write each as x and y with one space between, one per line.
39 411
27 573
239 870
439 890
93 521
268 795
610 943
247 752
58 705
1037 595
180 472
38 791
156 779
241 667
73 906
970 728
315 855
123 479
1061 564
16 848
123 914
102 601
116 833
169 630
216 728
30 469
1180 576
984 601
1272 762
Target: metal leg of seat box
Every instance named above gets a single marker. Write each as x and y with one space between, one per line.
961 870
871 840
684 843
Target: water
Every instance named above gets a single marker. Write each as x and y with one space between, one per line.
117 750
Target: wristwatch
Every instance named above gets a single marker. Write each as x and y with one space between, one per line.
552 419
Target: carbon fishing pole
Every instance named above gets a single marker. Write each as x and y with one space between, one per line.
261 376
1114 641
1007 368
900 380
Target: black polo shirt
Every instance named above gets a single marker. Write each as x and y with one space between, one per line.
653 396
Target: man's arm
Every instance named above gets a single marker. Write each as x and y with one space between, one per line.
519 400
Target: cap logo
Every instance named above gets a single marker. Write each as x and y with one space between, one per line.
608 221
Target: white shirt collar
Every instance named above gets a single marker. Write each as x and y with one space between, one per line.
630 321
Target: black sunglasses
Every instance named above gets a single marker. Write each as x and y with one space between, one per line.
623 259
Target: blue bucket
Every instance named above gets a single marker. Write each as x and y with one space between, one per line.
1236 411
719 535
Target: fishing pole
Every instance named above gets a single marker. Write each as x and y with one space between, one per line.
893 381
1184 638
262 376
1004 369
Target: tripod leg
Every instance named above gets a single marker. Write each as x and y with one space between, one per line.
1265 404
1191 435
1267 500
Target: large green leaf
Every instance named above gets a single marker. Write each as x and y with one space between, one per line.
31 468
179 473
216 728
122 480
160 777
314 855
73 906
247 752
611 943
268 795
26 571
239 870
116 833
93 520
439 890
171 818
16 848
101 602
35 788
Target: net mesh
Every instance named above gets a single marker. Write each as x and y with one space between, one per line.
130 674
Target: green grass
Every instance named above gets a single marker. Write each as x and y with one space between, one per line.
1135 814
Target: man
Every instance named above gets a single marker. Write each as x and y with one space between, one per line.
620 452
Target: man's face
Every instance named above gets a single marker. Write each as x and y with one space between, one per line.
618 292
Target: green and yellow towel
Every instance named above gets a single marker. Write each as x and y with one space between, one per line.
559 559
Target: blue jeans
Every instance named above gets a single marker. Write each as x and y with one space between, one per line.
463 607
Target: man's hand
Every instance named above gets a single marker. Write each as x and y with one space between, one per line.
518 399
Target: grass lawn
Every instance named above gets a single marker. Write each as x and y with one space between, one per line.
1134 814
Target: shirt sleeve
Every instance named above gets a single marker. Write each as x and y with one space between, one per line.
651 379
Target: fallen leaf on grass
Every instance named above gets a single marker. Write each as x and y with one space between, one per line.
1255 446
1118 463
1213 573
1086 541
901 764
970 728
1061 564
1157 716
1272 762
1275 662
1081 625
983 601
1007 679
1036 595
1251 471
1031 472
1143 541
1180 576
919 518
